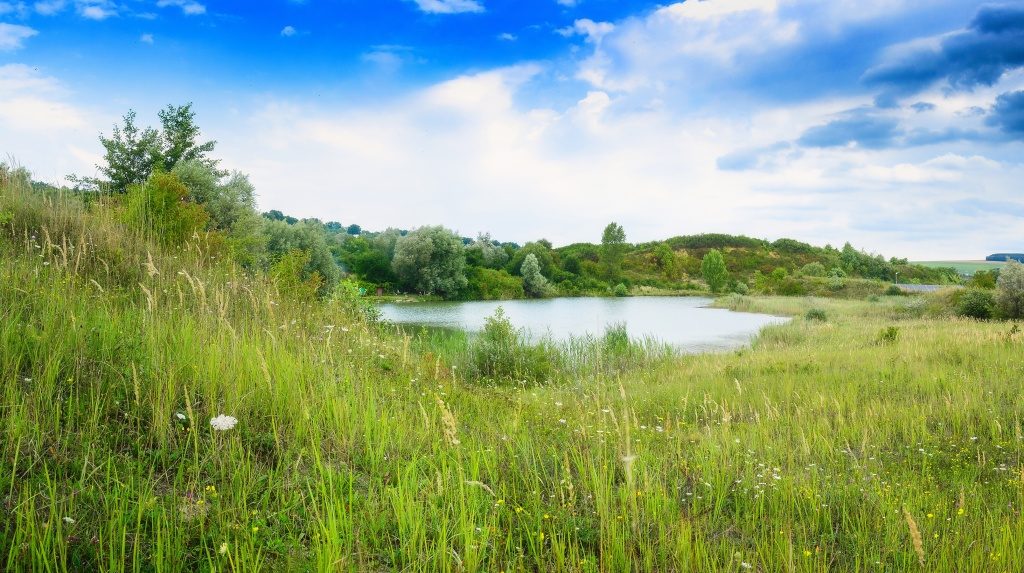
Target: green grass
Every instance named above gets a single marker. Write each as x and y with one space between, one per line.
363 448
963 267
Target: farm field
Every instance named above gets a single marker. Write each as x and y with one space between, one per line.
963 267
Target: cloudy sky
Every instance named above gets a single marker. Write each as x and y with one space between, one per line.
895 124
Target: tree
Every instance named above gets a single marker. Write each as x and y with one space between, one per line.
485 252
431 260
613 248
179 138
354 229
161 209
714 271
534 283
1010 290
130 153
666 258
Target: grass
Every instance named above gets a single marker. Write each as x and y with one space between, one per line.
963 267
361 448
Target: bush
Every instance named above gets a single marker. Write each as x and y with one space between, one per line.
500 353
888 335
894 290
620 290
741 288
976 303
1010 290
816 314
814 269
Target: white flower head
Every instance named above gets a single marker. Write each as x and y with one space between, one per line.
69 520
223 423
179 416
223 548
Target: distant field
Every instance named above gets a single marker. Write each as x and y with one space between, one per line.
964 267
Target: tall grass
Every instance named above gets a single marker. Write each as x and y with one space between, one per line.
361 449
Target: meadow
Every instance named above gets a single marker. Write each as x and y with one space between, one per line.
865 435
962 267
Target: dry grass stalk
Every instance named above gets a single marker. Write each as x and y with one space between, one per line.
915 536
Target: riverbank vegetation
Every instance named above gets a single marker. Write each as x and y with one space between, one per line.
172 402
142 163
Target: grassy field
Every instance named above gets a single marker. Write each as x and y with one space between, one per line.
881 438
963 267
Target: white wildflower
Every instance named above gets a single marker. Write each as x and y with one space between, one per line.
69 520
179 416
223 548
223 423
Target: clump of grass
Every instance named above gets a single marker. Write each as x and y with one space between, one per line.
816 314
888 335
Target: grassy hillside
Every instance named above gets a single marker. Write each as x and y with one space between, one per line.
827 446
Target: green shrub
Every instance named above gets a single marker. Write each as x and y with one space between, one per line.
741 288
816 314
894 290
814 269
1010 293
976 303
888 335
501 353
620 290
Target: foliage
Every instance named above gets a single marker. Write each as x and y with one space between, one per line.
888 335
430 260
613 248
984 279
501 353
1010 290
976 303
713 270
620 290
130 153
816 314
813 269
491 284
485 252
292 280
178 137
160 209
534 283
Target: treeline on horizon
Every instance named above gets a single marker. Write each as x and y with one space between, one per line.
166 182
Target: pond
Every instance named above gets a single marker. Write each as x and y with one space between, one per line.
688 323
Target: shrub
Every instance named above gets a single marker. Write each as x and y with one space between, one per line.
816 314
534 283
888 335
500 353
1010 290
894 290
160 209
712 267
741 288
620 290
814 269
976 303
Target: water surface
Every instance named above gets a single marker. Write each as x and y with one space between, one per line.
685 322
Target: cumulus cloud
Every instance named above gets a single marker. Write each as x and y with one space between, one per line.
449 6
288 31
857 129
18 9
146 39
980 55
13 36
96 9
188 7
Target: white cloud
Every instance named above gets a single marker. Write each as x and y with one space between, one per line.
288 31
19 9
146 39
188 7
568 3
40 127
49 7
589 29
13 36
507 37
449 6
96 9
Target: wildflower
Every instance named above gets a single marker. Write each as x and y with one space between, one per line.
960 511
519 510
223 548
179 416
69 520
746 565
223 423
807 552
255 529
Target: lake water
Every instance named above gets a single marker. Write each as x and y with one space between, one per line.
685 322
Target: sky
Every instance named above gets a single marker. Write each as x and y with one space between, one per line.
896 125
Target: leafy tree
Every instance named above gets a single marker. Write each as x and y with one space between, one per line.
431 260
714 271
545 256
179 136
354 229
130 153
571 264
534 283
491 284
814 269
613 248
292 280
666 258
985 279
1010 290
226 201
976 303
282 238
485 252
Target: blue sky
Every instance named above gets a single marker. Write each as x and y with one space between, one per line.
895 124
